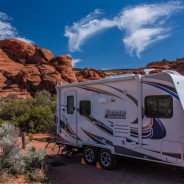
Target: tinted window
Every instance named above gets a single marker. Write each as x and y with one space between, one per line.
85 107
151 106
70 104
159 106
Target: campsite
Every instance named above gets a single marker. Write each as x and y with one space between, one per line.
92 92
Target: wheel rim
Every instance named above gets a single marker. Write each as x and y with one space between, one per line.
105 159
52 149
89 155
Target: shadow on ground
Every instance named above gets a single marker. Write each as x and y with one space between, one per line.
128 171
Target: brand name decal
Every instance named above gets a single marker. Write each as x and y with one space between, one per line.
116 114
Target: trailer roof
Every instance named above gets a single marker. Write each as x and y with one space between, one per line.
107 79
116 78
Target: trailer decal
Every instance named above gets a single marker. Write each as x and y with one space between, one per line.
145 127
163 89
111 123
98 139
68 130
115 114
100 91
165 86
125 151
175 155
91 136
131 153
125 93
129 96
99 125
155 131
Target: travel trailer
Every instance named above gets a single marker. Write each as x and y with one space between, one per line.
128 115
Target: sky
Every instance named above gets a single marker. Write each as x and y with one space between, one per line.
102 34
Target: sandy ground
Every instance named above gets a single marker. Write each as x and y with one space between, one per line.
36 143
128 171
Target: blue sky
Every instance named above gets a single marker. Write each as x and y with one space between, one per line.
99 34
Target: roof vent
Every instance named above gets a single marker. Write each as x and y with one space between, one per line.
147 71
59 83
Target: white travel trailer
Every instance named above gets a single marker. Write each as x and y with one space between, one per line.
129 115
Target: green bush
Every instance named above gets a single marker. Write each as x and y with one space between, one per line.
31 115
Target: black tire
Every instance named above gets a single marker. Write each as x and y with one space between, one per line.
90 155
106 159
52 149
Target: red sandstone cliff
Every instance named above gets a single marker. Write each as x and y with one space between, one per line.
25 69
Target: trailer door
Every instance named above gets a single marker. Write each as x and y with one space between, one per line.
71 117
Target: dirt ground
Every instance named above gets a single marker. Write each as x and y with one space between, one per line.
128 171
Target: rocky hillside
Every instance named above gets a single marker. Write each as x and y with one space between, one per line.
25 69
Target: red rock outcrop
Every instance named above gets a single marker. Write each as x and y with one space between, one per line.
64 66
90 74
180 66
25 69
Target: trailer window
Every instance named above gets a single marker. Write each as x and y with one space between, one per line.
70 104
85 107
159 106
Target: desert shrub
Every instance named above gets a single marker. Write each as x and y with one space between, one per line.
10 157
31 115
34 159
15 163
36 46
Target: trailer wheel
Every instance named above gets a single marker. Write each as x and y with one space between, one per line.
106 159
90 155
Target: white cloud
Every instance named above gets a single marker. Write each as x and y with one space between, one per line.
74 61
85 28
145 24
8 31
142 25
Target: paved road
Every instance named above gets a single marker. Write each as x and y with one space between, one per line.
128 171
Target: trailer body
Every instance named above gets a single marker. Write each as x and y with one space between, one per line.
129 115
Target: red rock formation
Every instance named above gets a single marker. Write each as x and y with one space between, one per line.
64 66
24 69
180 66
91 74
